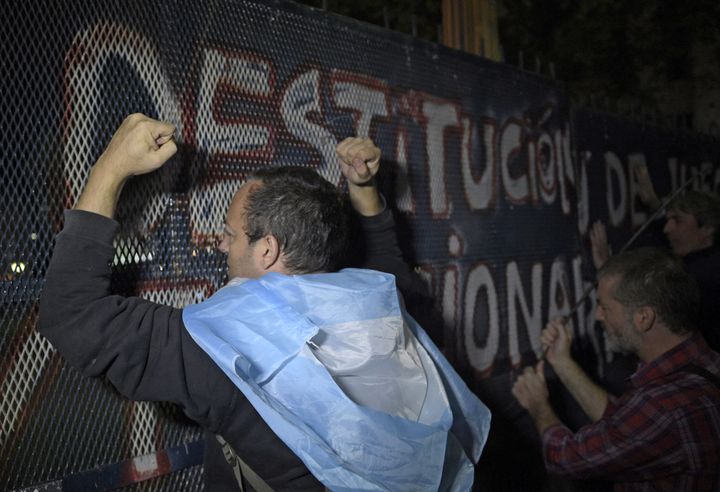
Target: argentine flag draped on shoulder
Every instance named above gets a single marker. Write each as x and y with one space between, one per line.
346 378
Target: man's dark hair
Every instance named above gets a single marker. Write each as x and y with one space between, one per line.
705 207
650 277
304 212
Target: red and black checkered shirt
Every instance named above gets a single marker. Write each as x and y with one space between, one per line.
663 435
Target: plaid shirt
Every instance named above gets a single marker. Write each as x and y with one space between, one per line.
663 435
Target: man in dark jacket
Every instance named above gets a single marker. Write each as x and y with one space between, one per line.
693 231
280 222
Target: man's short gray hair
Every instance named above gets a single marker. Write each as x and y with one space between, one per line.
651 277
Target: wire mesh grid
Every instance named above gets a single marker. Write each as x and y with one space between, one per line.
74 70
248 84
72 75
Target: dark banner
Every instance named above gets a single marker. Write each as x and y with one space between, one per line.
610 150
478 164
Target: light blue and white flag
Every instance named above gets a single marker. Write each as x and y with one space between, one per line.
346 378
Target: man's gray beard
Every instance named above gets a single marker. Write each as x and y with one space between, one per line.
616 344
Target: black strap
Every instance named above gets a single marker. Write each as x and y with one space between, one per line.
241 469
702 372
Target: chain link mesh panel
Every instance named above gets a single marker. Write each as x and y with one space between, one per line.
248 84
477 164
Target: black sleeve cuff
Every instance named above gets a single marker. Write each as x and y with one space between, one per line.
90 225
382 221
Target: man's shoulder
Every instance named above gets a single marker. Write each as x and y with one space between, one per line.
705 262
681 390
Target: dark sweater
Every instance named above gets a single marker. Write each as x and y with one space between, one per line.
145 351
704 267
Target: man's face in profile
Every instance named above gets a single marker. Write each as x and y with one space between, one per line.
616 319
241 258
684 234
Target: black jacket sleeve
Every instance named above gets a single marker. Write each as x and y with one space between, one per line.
145 351
139 345
380 250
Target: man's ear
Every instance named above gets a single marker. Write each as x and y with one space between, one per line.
644 318
269 254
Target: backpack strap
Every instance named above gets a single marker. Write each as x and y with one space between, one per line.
703 373
241 469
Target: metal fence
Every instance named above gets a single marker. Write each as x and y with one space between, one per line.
479 166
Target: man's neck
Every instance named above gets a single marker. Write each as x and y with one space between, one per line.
658 346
